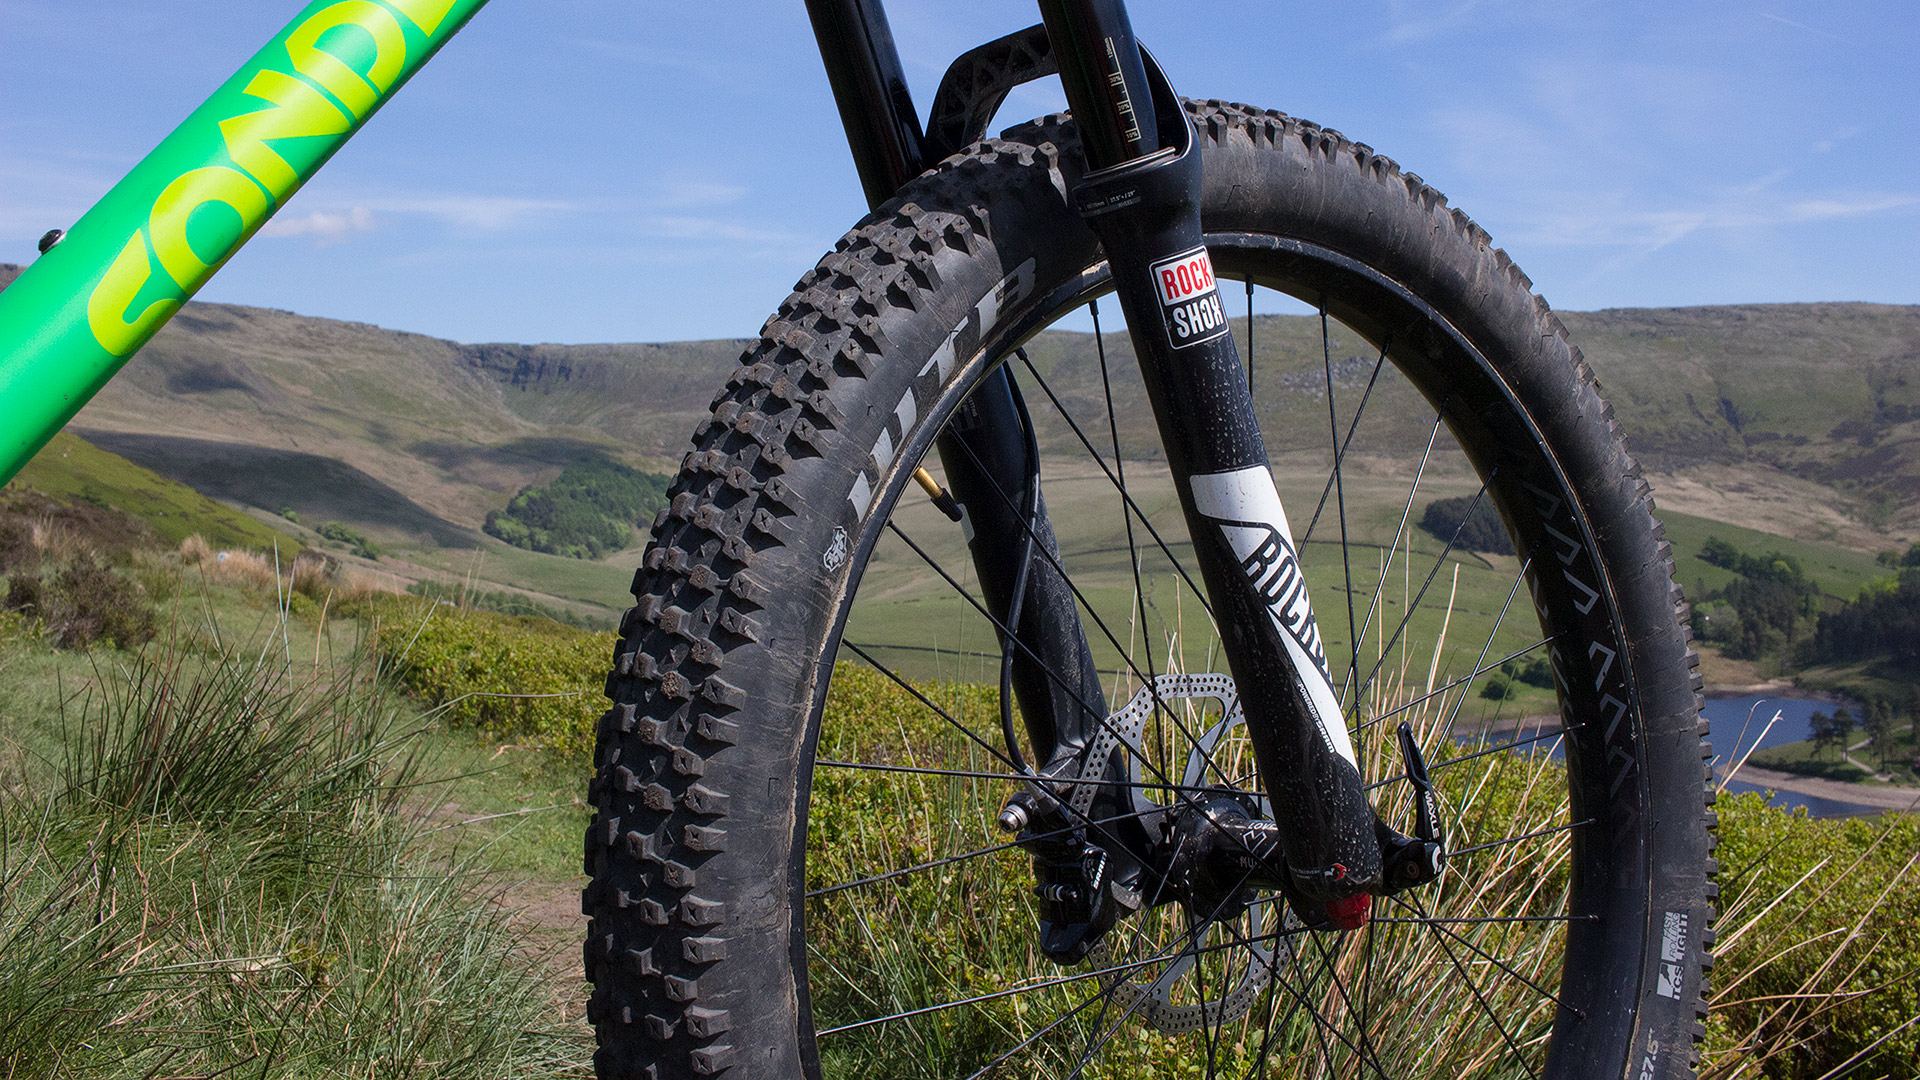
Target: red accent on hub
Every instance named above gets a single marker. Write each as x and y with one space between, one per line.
1351 913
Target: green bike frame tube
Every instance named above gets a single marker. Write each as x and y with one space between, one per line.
86 306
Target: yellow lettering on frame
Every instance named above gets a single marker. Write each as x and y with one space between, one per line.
192 190
107 306
426 14
298 110
357 92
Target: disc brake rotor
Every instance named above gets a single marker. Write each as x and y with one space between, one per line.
1168 1003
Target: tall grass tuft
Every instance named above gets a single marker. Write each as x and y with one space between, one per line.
227 877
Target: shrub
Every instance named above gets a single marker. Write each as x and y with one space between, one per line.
1467 523
1819 952
195 550
84 602
353 538
314 575
510 677
34 526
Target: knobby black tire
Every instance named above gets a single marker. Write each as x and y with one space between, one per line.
703 764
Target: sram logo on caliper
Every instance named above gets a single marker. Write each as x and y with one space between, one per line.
1185 285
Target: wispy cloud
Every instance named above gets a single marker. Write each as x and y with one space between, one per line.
706 228
694 191
328 229
1616 222
1803 26
487 213
1410 21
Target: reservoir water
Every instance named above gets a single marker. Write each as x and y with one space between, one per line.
1741 723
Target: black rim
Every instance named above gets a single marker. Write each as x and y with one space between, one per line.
1334 1002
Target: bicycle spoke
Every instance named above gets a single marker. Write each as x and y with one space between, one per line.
1523 836
1470 919
1340 491
1447 687
1126 517
1192 935
1085 606
1386 565
1406 618
934 864
1335 1002
1340 453
1044 984
1065 414
1483 954
954 722
970 774
1554 733
1103 999
1071 691
1488 647
1492 1014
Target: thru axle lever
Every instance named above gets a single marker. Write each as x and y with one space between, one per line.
1407 861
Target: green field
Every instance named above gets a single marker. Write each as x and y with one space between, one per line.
1840 571
912 618
70 468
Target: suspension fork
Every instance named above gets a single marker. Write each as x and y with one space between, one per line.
986 453
1141 197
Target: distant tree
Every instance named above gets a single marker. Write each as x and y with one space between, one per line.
1912 557
1843 725
1770 597
1467 523
590 509
1884 620
1717 552
1913 715
1879 730
1820 731
1538 672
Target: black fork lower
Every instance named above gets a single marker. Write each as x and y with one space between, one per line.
1141 196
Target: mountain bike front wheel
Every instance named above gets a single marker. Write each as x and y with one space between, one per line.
795 865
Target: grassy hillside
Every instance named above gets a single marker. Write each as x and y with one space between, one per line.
70 468
1792 425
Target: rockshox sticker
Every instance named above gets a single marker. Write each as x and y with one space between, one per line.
1187 290
1245 506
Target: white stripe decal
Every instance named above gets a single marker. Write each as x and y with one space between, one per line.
1247 508
861 496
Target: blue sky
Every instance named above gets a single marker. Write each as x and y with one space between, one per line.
634 170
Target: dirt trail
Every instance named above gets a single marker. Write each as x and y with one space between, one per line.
547 914
1880 798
